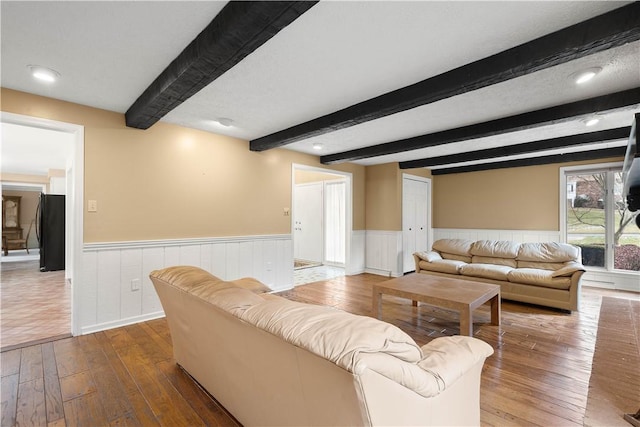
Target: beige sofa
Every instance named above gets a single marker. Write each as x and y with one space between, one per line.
539 273
272 361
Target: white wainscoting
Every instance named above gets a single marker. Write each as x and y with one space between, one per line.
383 253
357 251
107 298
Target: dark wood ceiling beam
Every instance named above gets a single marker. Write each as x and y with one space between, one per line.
612 29
524 148
553 115
240 28
544 160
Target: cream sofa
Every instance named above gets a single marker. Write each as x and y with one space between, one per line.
539 273
272 361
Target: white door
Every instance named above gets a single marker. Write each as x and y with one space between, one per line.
416 219
307 222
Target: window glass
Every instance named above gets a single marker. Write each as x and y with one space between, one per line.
626 234
586 216
598 221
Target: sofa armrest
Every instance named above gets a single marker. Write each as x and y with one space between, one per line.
449 358
445 360
428 256
568 269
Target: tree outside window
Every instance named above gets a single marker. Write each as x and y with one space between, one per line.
599 222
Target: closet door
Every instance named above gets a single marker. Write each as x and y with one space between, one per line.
307 222
415 219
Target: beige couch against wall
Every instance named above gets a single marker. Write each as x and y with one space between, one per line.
271 361
547 274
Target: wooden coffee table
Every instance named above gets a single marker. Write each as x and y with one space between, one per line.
454 294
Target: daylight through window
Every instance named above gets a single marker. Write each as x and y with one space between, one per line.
598 221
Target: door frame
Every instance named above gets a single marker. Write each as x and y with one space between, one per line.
429 211
75 183
348 208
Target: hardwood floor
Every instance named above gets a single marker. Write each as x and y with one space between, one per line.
539 374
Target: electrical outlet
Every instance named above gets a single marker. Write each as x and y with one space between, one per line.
92 206
135 284
287 212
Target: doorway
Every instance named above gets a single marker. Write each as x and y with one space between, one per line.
23 172
320 223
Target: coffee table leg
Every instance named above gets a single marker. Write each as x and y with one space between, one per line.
466 322
495 310
376 308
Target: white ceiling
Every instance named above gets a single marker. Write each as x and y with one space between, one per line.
33 151
333 56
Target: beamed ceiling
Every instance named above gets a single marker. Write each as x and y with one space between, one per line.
450 86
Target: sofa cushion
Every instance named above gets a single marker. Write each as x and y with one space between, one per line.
186 278
535 276
453 246
548 252
330 333
235 300
442 266
495 249
541 265
428 256
509 262
487 271
251 284
455 257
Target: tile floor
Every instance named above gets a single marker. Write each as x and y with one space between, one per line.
34 305
315 274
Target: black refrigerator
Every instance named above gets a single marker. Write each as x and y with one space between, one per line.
50 229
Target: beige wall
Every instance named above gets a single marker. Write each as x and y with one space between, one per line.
524 198
384 195
173 182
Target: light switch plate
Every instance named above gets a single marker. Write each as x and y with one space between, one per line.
92 206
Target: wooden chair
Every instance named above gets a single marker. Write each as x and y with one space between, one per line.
21 243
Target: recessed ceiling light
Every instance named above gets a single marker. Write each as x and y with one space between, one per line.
224 121
584 76
317 146
43 73
592 121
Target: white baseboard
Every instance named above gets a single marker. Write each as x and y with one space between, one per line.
122 322
386 273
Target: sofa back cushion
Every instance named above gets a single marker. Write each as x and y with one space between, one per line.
547 256
508 262
330 333
455 249
495 249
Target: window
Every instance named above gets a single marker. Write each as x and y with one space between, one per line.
596 219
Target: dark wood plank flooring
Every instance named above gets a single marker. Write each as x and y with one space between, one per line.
539 374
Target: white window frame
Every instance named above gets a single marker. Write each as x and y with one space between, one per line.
606 277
